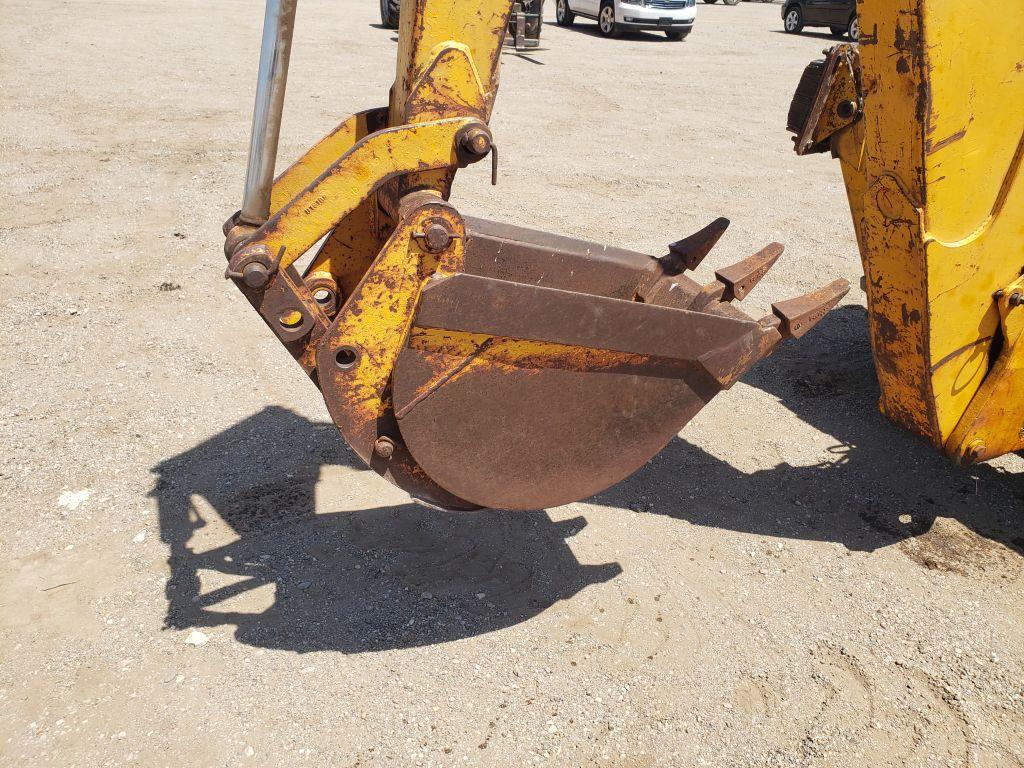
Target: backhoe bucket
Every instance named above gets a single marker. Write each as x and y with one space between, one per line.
517 389
540 369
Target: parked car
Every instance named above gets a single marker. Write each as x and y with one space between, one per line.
840 16
673 17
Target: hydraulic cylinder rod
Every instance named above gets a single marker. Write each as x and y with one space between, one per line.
278 25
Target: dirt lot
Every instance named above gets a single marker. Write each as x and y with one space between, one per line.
792 582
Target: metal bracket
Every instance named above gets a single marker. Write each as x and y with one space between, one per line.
827 100
994 422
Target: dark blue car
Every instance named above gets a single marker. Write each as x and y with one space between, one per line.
840 16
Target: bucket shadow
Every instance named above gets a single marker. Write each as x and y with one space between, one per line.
405 576
878 486
367 580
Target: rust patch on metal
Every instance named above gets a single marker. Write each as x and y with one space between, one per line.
801 314
688 253
741 278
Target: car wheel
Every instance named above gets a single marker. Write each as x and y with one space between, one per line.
732 2
710 1
606 19
676 34
793 21
853 29
389 13
564 17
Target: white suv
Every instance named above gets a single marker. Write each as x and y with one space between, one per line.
673 17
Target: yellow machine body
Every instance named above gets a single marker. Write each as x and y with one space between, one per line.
931 142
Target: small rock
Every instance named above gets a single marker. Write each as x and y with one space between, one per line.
249 751
427 595
139 537
179 678
304 585
72 500
196 638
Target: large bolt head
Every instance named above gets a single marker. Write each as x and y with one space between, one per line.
384 447
976 451
255 274
476 141
437 237
846 109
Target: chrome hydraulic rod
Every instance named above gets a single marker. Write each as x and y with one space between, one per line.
278 25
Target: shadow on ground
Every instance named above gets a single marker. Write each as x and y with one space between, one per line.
366 580
875 476
819 34
403 576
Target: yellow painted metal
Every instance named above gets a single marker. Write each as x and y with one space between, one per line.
376 318
449 83
448 60
351 179
447 78
933 173
320 157
352 246
431 29
994 422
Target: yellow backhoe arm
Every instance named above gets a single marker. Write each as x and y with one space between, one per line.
474 363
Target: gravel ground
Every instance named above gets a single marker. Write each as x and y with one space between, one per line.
197 572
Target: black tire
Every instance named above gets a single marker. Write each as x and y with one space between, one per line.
564 17
676 34
732 2
837 31
793 21
389 13
853 28
606 20
710 1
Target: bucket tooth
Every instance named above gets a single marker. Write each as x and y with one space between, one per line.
688 253
798 315
737 280
740 278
